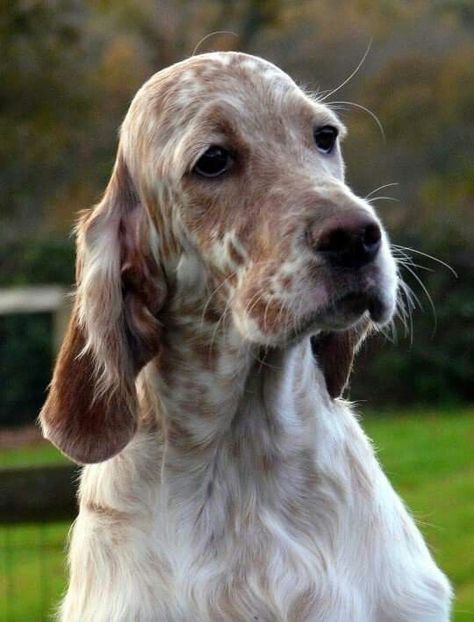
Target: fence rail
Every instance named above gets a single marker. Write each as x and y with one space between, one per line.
38 494
41 299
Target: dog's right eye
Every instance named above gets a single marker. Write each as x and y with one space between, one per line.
214 162
325 138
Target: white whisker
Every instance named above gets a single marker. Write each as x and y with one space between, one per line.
349 78
440 261
382 199
394 183
367 110
213 34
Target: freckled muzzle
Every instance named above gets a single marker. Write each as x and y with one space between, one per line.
360 274
350 247
335 272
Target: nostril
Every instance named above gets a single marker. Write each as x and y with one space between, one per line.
334 241
350 243
372 238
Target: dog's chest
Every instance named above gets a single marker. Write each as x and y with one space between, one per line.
270 574
270 561
265 571
296 541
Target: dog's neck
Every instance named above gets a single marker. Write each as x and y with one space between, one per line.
229 433
238 432
214 391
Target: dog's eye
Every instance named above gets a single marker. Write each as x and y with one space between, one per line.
215 161
325 138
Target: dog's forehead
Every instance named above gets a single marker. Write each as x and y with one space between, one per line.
215 89
241 79
218 69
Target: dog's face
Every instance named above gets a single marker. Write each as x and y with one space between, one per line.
227 209
249 171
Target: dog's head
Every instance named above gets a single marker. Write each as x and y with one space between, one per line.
229 179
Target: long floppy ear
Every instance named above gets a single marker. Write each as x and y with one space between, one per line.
335 351
91 410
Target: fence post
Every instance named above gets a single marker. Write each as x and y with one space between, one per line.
61 317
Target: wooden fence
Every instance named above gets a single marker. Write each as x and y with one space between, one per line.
40 299
36 502
38 494
37 505
47 493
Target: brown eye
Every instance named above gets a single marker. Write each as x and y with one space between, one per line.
325 138
214 162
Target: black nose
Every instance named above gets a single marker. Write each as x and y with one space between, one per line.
349 242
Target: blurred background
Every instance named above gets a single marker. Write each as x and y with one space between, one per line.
69 70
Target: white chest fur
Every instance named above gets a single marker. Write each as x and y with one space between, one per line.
287 518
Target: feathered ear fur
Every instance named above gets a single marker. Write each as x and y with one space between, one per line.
335 351
91 410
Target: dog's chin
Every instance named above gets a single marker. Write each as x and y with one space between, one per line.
345 312
340 314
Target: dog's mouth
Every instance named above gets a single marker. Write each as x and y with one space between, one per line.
356 304
345 311
333 302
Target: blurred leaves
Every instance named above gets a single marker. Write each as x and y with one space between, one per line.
69 70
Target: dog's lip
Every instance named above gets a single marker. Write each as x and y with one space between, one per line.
346 310
379 310
353 302
356 303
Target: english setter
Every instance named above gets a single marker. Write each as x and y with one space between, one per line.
226 480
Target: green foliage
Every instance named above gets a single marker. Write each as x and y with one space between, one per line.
43 109
36 262
69 71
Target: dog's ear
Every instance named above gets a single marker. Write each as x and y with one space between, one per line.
91 410
335 351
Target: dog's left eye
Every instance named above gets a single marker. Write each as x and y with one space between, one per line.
214 162
325 138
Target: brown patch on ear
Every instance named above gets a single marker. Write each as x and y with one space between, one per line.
86 426
144 291
335 351
91 410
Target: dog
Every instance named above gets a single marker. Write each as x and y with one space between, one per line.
224 282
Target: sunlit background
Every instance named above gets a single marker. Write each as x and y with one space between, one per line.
68 72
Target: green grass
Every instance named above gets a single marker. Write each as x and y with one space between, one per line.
36 455
35 558
429 457
32 557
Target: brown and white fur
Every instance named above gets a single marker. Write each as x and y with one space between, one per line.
230 481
